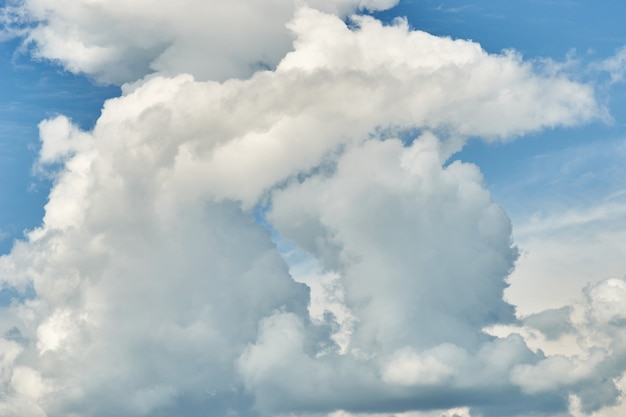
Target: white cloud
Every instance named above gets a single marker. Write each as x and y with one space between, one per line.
27 382
119 41
585 357
62 140
553 373
158 294
385 231
409 368
615 65
564 251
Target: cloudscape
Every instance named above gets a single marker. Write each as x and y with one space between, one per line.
304 209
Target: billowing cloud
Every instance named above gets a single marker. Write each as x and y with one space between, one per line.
586 353
419 320
120 41
150 288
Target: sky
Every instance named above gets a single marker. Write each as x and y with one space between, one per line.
321 208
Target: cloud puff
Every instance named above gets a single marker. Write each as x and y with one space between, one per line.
584 345
597 323
386 231
156 291
119 41
615 66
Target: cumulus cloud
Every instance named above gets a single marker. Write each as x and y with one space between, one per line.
602 327
62 140
119 41
419 320
589 362
156 291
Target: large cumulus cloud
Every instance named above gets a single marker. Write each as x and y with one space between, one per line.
418 336
119 41
151 288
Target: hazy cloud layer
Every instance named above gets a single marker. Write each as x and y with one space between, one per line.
590 237
150 288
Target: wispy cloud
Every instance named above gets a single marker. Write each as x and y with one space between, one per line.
615 65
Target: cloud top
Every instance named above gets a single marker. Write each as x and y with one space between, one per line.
119 41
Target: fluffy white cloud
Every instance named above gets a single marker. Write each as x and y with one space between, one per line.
119 41
452 77
585 352
62 140
386 231
418 319
157 293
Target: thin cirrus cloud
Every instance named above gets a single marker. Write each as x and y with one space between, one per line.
156 292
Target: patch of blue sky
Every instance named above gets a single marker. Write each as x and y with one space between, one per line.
300 262
31 91
535 28
8 296
554 168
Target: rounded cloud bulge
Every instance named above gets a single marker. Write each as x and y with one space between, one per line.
158 291
118 41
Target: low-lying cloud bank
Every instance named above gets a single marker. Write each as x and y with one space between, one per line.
158 292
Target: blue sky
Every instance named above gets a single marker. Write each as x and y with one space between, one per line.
402 278
31 92
537 29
